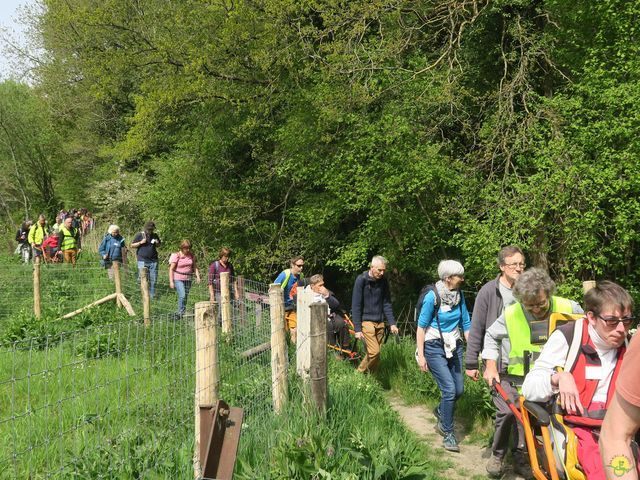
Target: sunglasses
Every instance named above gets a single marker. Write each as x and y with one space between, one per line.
614 321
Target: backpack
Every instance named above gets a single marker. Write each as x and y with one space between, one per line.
423 293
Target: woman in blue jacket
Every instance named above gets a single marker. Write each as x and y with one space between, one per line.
443 314
112 249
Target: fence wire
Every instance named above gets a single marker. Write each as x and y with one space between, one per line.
100 395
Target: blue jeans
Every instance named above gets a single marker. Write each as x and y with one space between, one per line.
153 275
182 289
447 373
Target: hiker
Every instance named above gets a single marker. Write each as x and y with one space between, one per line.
510 335
147 243
221 265
584 378
37 233
112 249
69 241
371 304
23 249
182 268
492 299
439 344
288 280
51 247
337 331
56 226
622 421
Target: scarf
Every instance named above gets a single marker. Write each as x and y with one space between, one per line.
447 297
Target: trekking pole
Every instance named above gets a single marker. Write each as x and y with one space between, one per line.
498 390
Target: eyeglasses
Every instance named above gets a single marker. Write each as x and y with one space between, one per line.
614 321
515 265
299 265
531 306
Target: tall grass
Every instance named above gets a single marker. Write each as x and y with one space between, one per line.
360 437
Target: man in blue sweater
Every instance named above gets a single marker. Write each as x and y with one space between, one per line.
371 304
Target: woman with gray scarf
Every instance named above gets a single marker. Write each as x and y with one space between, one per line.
439 344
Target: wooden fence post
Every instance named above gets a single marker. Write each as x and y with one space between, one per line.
225 302
240 300
279 362
146 301
207 371
36 288
303 345
588 285
318 367
116 279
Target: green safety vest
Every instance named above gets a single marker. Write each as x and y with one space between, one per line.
37 233
520 332
69 241
287 276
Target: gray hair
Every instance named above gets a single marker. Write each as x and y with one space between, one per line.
378 259
530 283
449 268
113 228
508 251
315 279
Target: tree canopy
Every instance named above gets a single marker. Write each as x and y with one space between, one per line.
417 129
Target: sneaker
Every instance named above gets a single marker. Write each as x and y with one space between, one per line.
450 442
494 466
440 429
521 464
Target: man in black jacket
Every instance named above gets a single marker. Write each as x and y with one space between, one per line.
371 304
490 303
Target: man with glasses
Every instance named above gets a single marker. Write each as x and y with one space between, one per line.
580 363
371 304
522 327
490 303
288 280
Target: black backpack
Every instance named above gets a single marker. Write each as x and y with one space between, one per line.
423 293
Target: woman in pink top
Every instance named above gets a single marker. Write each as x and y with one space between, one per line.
182 268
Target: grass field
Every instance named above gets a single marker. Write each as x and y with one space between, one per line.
101 396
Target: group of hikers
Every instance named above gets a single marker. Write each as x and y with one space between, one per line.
183 266
580 363
57 243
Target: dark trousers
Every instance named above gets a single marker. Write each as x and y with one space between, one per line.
337 332
506 423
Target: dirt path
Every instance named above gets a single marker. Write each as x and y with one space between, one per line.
468 464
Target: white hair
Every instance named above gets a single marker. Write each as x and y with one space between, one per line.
449 268
378 259
113 228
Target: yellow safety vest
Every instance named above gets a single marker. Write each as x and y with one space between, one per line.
520 333
68 239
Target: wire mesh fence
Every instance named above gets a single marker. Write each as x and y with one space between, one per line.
101 395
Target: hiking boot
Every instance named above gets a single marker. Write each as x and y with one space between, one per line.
521 465
494 466
450 443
